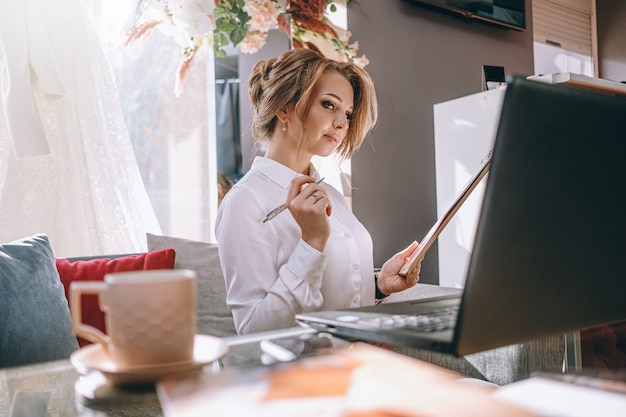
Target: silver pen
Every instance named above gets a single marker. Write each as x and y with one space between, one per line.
282 207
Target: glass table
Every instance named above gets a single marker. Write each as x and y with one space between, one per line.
57 389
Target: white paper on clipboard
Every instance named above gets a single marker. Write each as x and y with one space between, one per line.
441 223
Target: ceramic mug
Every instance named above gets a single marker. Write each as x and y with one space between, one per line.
150 316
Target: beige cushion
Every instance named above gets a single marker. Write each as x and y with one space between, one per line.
214 317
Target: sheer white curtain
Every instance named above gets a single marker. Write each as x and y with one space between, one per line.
86 192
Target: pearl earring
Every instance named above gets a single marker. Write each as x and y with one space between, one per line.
284 127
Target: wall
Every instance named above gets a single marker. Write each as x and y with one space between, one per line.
419 57
277 43
611 15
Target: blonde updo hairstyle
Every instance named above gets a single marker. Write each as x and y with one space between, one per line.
289 79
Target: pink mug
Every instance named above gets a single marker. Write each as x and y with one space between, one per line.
150 316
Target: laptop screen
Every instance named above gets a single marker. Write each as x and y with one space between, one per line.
547 257
550 249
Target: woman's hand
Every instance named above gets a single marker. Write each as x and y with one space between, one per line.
310 207
389 281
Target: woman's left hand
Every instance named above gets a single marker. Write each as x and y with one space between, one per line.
389 281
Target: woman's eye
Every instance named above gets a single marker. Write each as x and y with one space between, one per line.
331 106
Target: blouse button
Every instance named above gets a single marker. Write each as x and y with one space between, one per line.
356 267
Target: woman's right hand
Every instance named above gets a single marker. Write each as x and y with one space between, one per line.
310 206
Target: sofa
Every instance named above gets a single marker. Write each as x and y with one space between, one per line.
35 324
35 321
603 348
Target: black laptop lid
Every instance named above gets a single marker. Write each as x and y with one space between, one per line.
550 249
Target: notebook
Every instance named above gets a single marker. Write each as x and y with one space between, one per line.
429 239
549 255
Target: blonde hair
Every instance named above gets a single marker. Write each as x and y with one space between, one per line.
289 79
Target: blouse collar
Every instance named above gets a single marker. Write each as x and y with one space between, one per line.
278 173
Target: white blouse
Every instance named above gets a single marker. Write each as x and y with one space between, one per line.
271 274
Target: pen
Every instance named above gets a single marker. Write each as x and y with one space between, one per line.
282 207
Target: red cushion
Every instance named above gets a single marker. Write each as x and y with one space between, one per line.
96 269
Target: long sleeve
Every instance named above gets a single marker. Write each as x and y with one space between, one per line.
271 274
268 283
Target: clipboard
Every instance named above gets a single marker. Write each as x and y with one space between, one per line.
441 223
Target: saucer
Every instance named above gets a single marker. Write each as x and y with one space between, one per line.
95 358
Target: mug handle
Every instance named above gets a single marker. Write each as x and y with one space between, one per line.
81 329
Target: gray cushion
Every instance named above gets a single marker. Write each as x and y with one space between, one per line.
500 366
503 365
35 323
214 317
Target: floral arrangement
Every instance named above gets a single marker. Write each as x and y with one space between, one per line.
194 24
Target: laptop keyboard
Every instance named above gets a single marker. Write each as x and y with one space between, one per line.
432 321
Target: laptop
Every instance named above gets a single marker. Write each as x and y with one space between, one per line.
549 255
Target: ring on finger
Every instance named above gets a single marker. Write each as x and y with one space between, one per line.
316 197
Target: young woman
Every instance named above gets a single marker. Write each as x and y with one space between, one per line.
315 255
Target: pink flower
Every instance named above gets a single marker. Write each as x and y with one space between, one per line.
252 42
353 48
362 61
342 34
263 13
191 23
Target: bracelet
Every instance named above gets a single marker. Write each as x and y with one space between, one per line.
379 294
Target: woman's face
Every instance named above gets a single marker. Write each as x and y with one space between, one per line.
327 121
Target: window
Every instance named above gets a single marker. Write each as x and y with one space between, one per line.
170 135
186 147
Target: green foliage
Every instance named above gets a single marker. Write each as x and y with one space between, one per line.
230 24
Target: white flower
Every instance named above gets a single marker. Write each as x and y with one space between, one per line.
193 17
